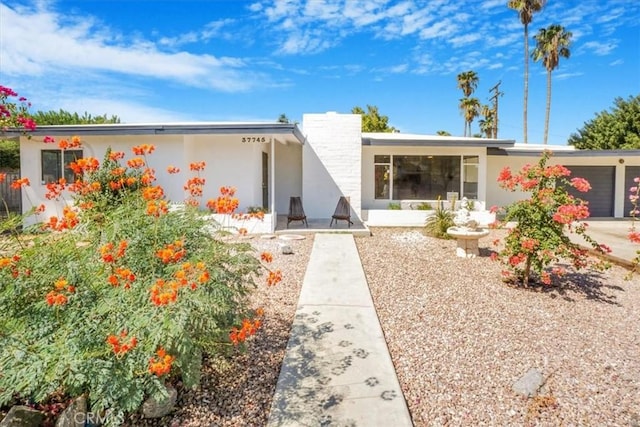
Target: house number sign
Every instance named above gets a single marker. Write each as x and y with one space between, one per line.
258 139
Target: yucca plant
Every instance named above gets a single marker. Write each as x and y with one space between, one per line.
437 224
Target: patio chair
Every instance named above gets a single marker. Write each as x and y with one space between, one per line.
296 212
343 212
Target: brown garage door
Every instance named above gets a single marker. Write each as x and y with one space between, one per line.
601 196
630 172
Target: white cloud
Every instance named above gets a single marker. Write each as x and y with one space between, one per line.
565 76
616 62
599 48
440 29
465 39
66 44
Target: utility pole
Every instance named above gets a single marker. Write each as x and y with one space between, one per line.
494 98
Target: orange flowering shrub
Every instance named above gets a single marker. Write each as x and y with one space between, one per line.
118 259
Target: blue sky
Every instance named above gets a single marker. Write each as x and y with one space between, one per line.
235 60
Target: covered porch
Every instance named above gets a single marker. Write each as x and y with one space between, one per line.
321 225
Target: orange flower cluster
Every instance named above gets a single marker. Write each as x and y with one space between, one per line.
189 275
197 166
122 275
173 252
68 221
266 257
3 177
108 254
119 346
161 364
192 275
148 176
242 231
116 155
274 277
172 169
248 328
141 150
225 203
83 188
153 193
13 264
194 186
85 164
74 143
121 183
163 292
118 171
157 208
136 163
55 189
58 296
20 182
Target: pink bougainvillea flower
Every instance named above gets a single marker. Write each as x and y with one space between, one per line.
581 184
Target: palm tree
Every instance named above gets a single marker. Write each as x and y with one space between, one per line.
468 82
487 125
551 44
470 109
283 118
526 9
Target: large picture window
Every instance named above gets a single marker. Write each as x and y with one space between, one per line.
55 164
425 177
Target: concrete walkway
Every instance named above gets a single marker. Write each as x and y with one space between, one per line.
337 369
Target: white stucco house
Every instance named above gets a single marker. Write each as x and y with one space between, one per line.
327 157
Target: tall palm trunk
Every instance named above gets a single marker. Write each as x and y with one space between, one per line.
546 117
526 80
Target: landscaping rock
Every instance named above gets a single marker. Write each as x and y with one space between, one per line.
75 414
529 384
287 250
154 409
22 416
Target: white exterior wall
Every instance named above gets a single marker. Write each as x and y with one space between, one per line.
331 163
229 163
288 175
368 184
168 152
498 196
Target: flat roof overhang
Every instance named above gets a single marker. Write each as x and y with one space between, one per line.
288 132
561 152
413 140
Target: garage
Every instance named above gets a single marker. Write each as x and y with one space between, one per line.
601 197
630 172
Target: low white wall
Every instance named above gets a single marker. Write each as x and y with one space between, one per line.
253 225
414 218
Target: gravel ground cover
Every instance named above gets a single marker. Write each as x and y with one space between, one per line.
459 339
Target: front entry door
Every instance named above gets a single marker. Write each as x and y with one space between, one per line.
265 181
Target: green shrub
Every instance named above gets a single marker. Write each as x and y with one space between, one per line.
394 206
424 206
437 224
118 296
